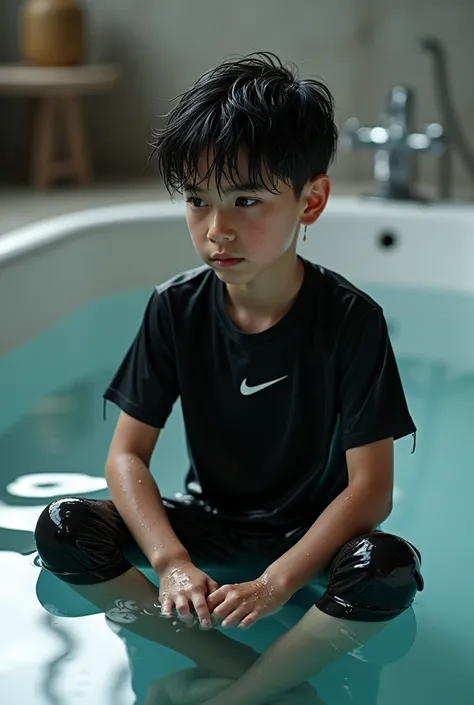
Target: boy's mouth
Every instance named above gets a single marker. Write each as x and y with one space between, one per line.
225 260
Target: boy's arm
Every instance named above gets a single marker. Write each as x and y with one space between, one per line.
362 506
373 413
136 495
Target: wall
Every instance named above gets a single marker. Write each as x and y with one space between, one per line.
359 47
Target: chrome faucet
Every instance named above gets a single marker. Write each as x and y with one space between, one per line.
396 145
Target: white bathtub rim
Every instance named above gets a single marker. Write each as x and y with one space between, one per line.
45 232
48 231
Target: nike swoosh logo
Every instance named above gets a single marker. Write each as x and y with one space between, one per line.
246 390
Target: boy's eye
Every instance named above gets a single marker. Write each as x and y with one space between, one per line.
244 198
194 201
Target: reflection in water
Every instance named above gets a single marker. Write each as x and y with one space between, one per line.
17 541
55 484
19 518
354 678
118 687
62 420
75 465
52 670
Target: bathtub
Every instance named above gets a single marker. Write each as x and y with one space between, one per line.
94 253
416 260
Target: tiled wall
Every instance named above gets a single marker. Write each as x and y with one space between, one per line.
360 47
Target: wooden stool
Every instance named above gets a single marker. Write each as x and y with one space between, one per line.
57 94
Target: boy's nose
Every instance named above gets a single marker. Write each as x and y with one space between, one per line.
219 235
220 228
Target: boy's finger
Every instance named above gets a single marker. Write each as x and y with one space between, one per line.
216 620
182 608
166 608
218 596
202 611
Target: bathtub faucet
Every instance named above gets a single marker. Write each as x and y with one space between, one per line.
396 145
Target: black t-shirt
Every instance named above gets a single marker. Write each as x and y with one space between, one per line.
268 416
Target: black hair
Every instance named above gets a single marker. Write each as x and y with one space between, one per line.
286 126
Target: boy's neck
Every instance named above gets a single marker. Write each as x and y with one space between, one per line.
262 303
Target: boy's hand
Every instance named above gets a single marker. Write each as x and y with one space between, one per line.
243 604
183 586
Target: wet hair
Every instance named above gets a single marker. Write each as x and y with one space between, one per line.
285 126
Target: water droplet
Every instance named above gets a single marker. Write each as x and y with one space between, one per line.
139 482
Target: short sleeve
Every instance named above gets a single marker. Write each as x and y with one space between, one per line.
371 399
145 385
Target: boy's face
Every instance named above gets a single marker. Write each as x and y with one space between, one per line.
242 233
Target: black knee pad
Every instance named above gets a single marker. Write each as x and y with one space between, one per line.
59 528
76 540
373 578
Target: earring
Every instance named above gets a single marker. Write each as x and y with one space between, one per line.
304 234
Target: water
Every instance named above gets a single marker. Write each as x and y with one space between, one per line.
53 442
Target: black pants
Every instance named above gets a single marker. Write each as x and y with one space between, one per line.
373 577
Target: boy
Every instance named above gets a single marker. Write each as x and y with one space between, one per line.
291 400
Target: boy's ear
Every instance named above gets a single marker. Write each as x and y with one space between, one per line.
315 197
